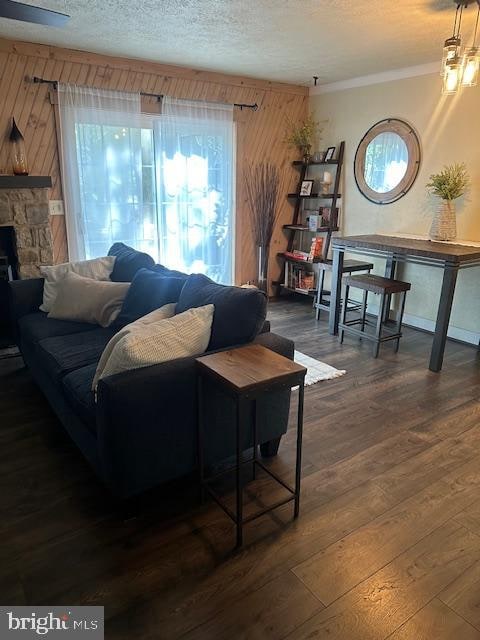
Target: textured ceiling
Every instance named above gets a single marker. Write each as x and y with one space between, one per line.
285 40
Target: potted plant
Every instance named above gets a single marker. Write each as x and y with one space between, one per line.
451 183
262 185
302 135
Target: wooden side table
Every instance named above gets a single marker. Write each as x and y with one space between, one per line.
245 374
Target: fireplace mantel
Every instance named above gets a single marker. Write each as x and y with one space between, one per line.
25 182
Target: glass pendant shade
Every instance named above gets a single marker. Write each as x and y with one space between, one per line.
17 150
471 64
450 49
452 76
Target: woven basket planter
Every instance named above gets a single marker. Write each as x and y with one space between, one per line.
444 224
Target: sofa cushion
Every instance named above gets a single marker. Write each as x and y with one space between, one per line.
87 300
239 313
62 354
182 335
149 291
167 311
170 273
96 269
37 326
77 387
127 262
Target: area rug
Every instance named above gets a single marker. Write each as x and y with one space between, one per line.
316 370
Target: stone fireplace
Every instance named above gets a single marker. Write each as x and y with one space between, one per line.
25 208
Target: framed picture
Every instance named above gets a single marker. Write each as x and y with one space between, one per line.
330 153
306 188
325 213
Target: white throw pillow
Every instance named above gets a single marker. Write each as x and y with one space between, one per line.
186 334
97 269
86 300
167 311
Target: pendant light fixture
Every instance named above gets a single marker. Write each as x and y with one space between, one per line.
452 44
460 69
471 59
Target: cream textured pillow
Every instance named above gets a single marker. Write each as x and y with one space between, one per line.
86 300
97 269
167 311
186 334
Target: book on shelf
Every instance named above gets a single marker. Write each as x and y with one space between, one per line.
312 221
297 255
296 277
315 249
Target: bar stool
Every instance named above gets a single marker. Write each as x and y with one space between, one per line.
385 288
349 267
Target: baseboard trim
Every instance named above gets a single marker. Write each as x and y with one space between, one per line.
460 335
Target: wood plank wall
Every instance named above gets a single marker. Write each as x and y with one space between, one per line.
259 134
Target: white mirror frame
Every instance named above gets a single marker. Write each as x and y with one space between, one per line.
410 138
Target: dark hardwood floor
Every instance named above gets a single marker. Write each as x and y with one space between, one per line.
387 544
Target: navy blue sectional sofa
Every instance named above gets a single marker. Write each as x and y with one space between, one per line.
141 431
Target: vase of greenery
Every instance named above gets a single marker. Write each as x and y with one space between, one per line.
451 183
302 135
262 185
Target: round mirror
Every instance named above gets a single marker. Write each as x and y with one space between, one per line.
387 161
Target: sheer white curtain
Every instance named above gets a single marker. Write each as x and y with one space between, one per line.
107 171
195 187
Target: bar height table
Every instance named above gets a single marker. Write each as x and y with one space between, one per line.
447 256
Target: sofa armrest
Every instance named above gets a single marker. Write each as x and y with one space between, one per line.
279 344
146 421
144 425
266 327
25 297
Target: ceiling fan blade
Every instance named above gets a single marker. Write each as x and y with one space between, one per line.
29 13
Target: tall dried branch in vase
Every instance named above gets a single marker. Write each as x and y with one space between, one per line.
262 182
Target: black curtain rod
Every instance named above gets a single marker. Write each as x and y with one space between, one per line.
241 106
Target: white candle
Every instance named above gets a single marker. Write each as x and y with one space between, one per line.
327 177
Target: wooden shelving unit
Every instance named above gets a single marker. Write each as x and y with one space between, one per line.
299 224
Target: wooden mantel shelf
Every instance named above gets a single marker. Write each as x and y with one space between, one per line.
25 182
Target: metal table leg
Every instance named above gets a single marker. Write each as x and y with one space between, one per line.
390 269
443 317
337 269
298 464
200 436
255 443
238 473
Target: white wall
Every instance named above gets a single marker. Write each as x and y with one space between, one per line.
449 131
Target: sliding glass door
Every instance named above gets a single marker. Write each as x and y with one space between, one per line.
195 187
162 184
116 187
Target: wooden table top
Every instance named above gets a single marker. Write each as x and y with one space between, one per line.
409 246
250 367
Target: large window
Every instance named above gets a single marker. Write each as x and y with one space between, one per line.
162 184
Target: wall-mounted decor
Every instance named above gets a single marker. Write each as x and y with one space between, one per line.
387 161
460 68
19 156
